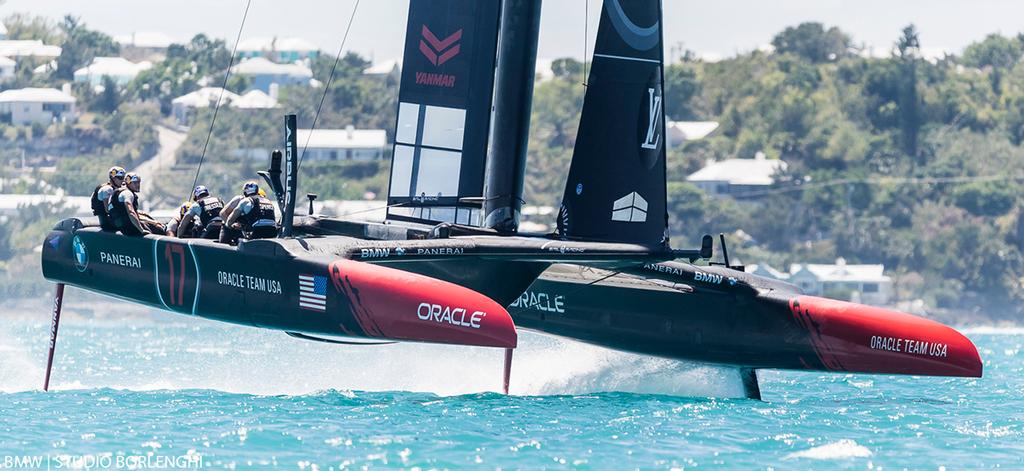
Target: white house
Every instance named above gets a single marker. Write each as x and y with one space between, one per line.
866 284
7 67
119 69
678 132
265 73
278 49
254 100
342 144
388 67
737 177
16 48
183 106
37 105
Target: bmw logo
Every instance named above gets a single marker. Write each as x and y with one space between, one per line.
81 254
579 188
732 281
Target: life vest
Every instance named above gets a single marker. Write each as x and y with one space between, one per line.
262 214
119 211
99 207
210 210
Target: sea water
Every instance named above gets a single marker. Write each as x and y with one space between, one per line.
176 392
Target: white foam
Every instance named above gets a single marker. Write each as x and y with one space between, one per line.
254 361
19 370
843 449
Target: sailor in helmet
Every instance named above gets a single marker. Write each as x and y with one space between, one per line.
255 216
124 207
206 210
101 197
126 214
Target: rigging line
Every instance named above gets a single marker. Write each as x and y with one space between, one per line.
327 86
220 99
884 181
586 37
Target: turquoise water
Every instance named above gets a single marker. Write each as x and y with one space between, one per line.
176 392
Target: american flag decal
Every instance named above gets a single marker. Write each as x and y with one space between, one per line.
313 292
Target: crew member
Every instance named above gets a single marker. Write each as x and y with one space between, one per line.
124 210
101 197
172 225
254 216
123 207
207 210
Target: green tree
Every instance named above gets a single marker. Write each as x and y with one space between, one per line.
567 67
681 86
813 42
110 98
907 52
80 46
26 26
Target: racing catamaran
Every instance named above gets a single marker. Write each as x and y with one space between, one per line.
449 265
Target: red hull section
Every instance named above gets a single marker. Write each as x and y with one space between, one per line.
864 339
400 305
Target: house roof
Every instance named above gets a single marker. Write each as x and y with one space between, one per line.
764 269
348 138
841 271
7 61
756 171
43 95
262 66
691 130
204 97
254 99
146 39
27 47
276 44
113 66
383 68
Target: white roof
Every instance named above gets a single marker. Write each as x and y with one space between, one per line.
348 138
146 39
383 68
765 269
254 99
692 130
45 68
27 47
276 44
262 66
842 272
7 61
756 171
42 95
113 66
205 97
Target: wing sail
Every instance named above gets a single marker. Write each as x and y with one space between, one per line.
616 186
444 111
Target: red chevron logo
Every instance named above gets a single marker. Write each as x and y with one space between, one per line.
439 51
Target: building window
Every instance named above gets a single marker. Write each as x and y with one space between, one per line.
55 107
870 288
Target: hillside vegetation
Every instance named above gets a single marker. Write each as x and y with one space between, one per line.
911 162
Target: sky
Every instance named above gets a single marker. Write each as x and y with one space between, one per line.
711 28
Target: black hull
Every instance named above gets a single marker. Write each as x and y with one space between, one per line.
671 310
